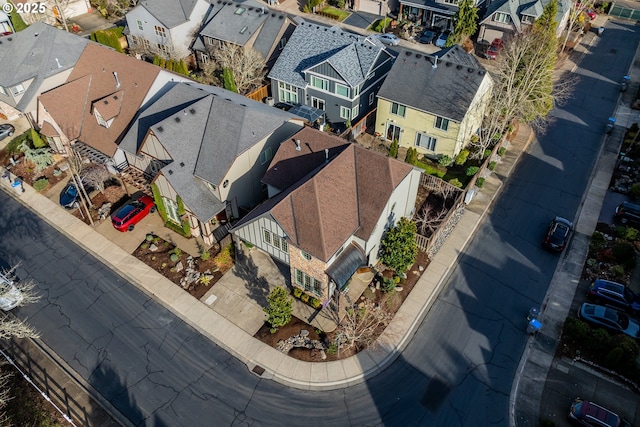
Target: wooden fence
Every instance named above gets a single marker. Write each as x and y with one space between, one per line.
259 94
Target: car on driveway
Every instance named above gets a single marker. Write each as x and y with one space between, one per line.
494 49
558 234
585 413
10 295
609 318
427 37
613 293
125 218
442 38
628 213
591 14
389 39
69 196
6 130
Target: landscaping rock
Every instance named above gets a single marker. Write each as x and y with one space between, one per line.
153 247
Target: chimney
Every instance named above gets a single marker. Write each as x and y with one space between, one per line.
326 154
58 62
435 64
297 145
117 81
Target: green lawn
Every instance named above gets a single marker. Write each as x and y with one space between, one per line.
340 15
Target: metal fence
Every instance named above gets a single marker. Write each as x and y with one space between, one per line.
624 12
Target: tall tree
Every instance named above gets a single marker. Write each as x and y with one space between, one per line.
398 249
465 22
576 18
246 64
279 309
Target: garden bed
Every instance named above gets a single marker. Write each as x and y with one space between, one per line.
390 301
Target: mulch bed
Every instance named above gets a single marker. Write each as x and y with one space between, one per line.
391 302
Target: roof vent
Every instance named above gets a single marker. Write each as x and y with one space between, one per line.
481 72
459 67
470 70
9 38
181 164
192 110
115 97
117 80
297 141
177 119
36 34
250 8
273 14
170 172
435 63
105 102
418 55
448 64
160 129
408 53
326 154
281 17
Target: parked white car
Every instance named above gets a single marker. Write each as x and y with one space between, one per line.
389 39
10 296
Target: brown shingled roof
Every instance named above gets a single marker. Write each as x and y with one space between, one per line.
290 165
69 104
47 129
109 106
345 197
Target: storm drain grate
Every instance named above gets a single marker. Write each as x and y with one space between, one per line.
258 370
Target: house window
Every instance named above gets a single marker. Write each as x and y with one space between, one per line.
356 91
306 255
135 39
287 93
159 31
339 251
398 109
140 25
274 240
355 111
425 141
265 156
527 19
17 89
210 41
282 43
320 83
372 97
266 236
345 113
3 90
101 120
342 90
501 17
204 58
450 1
310 284
172 210
317 103
146 43
441 123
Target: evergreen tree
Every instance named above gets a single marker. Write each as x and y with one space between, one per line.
393 149
280 308
465 22
412 156
398 249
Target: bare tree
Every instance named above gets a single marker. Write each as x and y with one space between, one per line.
362 325
576 16
429 219
76 163
246 64
95 176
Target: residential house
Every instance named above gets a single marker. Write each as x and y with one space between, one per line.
248 24
376 7
207 149
33 61
506 18
52 12
432 13
165 26
6 27
442 106
96 105
339 200
332 70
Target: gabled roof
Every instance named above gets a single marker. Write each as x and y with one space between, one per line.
37 52
204 129
351 55
445 90
236 22
516 8
290 165
171 13
100 74
343 197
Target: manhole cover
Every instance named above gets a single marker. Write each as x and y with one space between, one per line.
258 370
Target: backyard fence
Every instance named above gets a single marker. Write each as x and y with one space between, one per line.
259 94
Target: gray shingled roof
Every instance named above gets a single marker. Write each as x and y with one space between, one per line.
170 13
270 33
515 8
214 126
228 22
351 55
37 52
446 90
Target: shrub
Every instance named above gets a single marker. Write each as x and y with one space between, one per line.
598 341
501 151
388 285
224 259
612 359
486 153
205 255
445 161
462 156
176 251
280 307
381 24
315 302
624 253
248 245
332 348
432 170
13 147
480 182
229 81
398 247
598 243
617 271
472 170
455 182
174 257
492 166
393 149
36 140
635 190
149 237
627 233
575 329
41 184
297 292
304 297
412 156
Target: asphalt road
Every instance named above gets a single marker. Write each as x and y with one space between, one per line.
459 367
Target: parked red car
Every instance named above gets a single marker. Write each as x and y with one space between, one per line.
125 218
591 14
494 49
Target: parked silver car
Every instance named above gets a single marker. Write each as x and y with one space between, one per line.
6 130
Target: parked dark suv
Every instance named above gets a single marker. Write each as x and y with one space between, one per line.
612 293
628 213
584 413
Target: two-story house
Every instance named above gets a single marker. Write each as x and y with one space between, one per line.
165 26
248 24
434 103
97 103
331 70
206 149
52 12
432 13
338 200
33 61
509 17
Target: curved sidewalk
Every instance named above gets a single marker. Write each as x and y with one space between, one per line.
261 359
